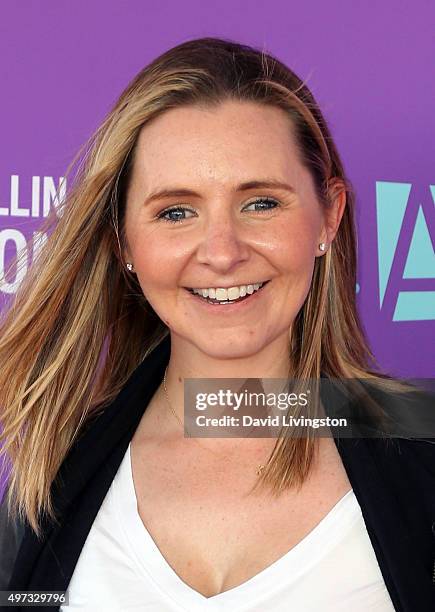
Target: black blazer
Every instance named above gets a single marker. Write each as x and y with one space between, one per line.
394 482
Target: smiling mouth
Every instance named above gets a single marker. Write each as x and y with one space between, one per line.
216 302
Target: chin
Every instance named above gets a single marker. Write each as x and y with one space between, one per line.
229 348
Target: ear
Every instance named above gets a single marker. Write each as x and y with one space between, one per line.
333 213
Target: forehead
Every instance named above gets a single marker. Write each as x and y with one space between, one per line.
231 142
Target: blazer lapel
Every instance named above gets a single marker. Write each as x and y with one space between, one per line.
83 481
394 516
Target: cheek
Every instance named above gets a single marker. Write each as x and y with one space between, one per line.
294 247
158 263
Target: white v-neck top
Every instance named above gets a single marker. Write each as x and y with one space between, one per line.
120 568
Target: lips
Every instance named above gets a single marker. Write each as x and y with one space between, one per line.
215 302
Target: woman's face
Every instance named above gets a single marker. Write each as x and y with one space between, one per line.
219 199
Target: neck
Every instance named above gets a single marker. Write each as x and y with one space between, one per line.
188 361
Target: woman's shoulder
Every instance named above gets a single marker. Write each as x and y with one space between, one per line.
396 450
416 455
398 467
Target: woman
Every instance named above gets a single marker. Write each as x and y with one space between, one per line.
214 171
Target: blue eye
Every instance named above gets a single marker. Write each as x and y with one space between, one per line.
176 213
263 200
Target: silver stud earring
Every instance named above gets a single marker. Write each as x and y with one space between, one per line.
129 267
322 246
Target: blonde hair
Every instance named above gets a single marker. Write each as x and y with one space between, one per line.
79 325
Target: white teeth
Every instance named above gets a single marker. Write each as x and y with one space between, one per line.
233 293
221 294
230 294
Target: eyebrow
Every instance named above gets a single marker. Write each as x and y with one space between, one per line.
178 192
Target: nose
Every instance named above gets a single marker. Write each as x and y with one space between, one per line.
222 245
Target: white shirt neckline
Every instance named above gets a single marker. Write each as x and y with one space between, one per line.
288 568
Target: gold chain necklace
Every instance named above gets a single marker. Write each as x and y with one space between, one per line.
260 466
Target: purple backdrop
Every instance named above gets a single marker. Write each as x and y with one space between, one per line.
371 67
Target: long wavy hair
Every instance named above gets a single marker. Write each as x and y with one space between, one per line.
79 324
